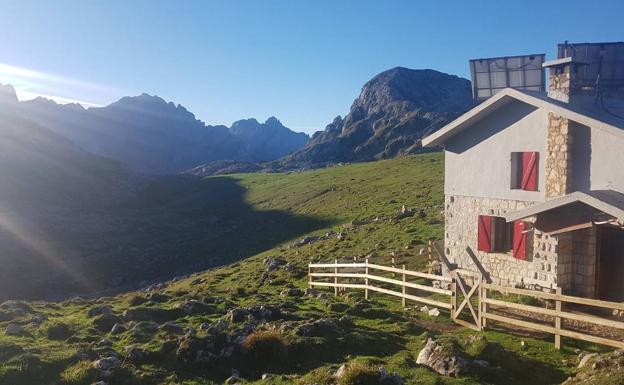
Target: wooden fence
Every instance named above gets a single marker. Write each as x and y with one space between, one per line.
470 300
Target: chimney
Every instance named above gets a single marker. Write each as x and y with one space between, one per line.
586 71
562 79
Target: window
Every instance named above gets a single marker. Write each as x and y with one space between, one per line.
524 170
495 235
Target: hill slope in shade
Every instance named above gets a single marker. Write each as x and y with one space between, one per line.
393 112
153 136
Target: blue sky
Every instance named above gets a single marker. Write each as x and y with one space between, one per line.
302 61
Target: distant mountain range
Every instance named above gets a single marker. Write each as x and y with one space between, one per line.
153 136
394 111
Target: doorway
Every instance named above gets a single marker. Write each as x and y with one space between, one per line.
611 264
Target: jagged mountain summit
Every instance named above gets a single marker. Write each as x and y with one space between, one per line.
393 112
153 136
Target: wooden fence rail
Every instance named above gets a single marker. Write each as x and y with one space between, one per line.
364 275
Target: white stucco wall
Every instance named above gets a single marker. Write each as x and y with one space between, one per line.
478 160
607 161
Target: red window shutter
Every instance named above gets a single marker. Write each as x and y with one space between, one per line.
519 240
529 171
484 233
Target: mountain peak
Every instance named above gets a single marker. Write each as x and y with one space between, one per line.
393 111
7 94
272 121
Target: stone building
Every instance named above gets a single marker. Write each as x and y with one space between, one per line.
534 185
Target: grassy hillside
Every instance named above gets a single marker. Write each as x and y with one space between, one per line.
173 333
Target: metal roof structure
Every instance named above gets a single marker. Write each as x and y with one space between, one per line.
607 201
492 75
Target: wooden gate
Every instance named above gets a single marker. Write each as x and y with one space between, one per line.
466 286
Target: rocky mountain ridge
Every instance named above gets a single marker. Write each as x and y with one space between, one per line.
153 136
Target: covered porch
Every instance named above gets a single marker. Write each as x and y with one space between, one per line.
589 229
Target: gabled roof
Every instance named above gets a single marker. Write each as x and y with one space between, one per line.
587 113
607 201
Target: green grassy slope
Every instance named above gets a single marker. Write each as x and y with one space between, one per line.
376 333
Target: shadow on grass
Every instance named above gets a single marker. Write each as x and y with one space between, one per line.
509 368
175 225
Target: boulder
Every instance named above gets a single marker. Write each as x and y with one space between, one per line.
172 328
256 312
117 329
434 312
291 292
143 313
105 322
194 307
100 310
14 330
324 327
137 355
443 359
145 327
107 363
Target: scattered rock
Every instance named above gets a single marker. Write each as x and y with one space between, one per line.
324 327
434 312
291 292
105 322
137 355
338 307
106 363
404 213
267 376
172 328
100 310
14 330
443 359
194 307
257 313
145 327
585 359
117 329
390 378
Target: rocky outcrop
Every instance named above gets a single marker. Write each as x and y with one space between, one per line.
393 112
443 359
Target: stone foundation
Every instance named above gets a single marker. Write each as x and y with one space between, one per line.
567 260
539 270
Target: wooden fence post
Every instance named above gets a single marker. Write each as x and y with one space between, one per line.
430 255
453 294
403 288
393 266
336 278
482 297
558 321
480 304
366 280
309 276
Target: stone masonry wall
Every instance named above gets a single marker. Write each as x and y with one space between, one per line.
559 81
559 157
538 271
